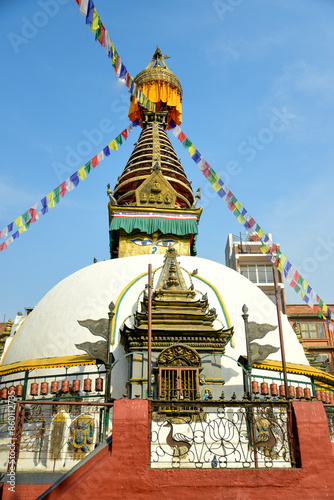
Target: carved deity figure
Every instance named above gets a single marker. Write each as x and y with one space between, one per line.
81 437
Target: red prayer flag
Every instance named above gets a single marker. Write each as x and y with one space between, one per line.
296 276
78 2
3 246
94 161
63 188
182 136
124 134
128 77
102 36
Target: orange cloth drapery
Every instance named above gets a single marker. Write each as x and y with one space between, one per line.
158 92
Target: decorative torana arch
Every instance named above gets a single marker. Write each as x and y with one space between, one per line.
179 355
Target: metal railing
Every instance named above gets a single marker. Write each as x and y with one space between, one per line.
220 434
51 435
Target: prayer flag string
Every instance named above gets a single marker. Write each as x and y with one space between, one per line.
268 248
88 10
13 230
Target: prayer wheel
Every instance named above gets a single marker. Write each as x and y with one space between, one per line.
19 390
291 392
299 392
87 384
323 396
4 393
264 389
255 387
34 389
99 384
273 389
328 398
65 386
318 395
44 388
307 393
281 390
11 390
76 385
54 387
332 398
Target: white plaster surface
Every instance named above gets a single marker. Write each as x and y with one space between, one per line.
52 328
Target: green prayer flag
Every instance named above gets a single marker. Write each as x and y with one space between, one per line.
187 143
119 139
114 58
56 191
234 199
297 289
319 314
26 216
300 280
88 167
320 303
57 198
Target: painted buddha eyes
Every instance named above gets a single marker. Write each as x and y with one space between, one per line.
161 243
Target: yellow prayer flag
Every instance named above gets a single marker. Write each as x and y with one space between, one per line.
260 233
22 229
282 259
302 294
51 203
113 145
241 219
305 285
95 24
325 308
279 267
238 205
264 249
82 173
192 150
19 221
216 186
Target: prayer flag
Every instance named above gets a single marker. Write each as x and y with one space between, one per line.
192 150
113 145
75 179
51 203
82 173
63 188
90 12
124 134
100 156
119 139
106 151
187 143
19 221
83 7
94 161
69 185
182 136
88 167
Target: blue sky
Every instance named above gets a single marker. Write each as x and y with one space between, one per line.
258 103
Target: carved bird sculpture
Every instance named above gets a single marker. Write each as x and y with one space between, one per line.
271 441
195 271
177 440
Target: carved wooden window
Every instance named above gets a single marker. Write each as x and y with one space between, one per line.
178 383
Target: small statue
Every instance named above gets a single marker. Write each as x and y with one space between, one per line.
111 197
197 197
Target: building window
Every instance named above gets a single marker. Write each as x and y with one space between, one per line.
178 383
258 274
312 330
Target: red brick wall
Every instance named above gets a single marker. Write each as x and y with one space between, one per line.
123 473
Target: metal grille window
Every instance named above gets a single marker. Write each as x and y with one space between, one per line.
178 383
312 330
258 274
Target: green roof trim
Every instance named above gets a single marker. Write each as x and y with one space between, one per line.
149 226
